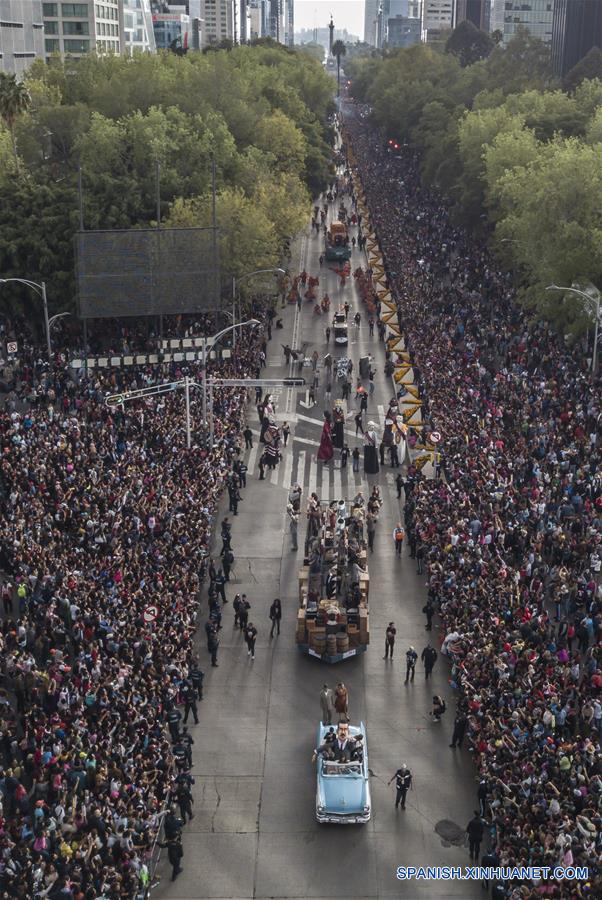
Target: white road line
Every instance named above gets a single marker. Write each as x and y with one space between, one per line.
312 480
336 491
302 418
288 467
273 477
252 456
300 476
298 440
381 415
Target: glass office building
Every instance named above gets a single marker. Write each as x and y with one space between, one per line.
534 15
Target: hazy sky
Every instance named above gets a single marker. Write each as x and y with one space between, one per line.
347 14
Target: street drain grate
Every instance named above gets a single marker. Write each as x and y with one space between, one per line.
450 832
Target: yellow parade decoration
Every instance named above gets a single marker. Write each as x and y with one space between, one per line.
400 373
408 413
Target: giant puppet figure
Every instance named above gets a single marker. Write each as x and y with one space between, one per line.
325 450
370 451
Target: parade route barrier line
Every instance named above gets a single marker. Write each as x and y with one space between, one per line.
403 373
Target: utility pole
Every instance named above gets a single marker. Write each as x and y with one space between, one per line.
188 428
207 386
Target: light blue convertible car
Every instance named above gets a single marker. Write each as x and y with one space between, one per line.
343 788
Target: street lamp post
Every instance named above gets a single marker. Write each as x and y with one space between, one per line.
236 283
40 290
56 317
187 383
208 345
593 300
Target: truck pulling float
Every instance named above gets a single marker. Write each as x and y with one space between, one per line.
337 243
334 584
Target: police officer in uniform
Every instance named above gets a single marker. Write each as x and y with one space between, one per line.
403 782
173 721
174 854
185 801
180 755
196 677
189 695
475 830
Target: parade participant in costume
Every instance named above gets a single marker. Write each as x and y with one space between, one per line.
338 437
370 452
325 450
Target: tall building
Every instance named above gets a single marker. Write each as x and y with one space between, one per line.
371 21
21 34
576 28
244 22
138 32
289 25
322 36
496 15
403 31
218 16
476 11
193 30
275 20
74 29
172 29
534 15
256 19
437 16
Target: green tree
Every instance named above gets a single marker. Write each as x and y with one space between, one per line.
247 237
338 50
476 131
278 135
38 218
469 43
587 69
514 148
260 111
594 128
316 51
8 163
14 101
551 210
523 63
547 112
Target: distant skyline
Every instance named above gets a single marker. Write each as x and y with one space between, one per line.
347 14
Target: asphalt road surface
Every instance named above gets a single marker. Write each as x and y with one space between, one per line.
254 834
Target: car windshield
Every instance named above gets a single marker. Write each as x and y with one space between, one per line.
335 768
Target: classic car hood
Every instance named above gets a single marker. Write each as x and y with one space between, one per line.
343 794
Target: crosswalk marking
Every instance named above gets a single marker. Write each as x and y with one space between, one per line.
312 482
288 467
252 457
328 481
300 474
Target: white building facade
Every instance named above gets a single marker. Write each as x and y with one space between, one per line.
138 33
74 29
21 34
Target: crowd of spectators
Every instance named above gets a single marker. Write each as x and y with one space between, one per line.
105 523
512 533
